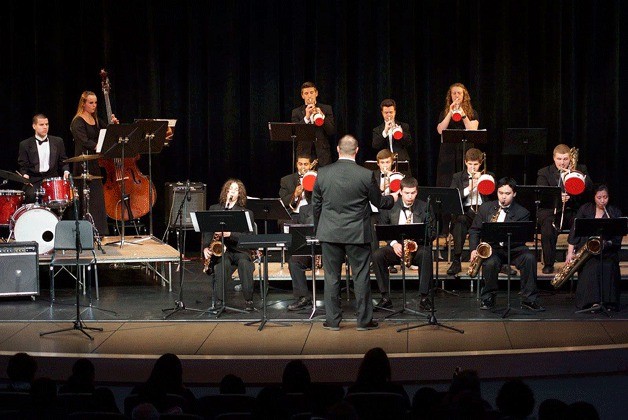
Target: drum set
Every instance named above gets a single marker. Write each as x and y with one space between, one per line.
37 221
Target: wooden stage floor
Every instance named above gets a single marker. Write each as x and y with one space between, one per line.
135 331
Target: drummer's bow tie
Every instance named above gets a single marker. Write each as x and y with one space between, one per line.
40 142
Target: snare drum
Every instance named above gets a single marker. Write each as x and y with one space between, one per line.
10 200
32 222
57 192
574 183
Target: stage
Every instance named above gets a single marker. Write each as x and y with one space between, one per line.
134 303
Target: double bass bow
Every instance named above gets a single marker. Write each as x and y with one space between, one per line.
137 187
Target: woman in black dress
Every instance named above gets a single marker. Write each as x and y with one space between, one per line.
593 290
85 128
458 113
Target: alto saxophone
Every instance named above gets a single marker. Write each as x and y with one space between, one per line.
484 250
216 250
593 246
409 246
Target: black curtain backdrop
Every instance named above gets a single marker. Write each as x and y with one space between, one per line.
224 69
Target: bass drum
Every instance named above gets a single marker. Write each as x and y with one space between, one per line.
35 223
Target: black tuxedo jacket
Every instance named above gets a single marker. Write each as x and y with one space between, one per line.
28 158
550 176
516 213
287 186
341 196
460 181
399 146
323 132
419 215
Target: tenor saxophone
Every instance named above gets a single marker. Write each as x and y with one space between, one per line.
484 250
216 250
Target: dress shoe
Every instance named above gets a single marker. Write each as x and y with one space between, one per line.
302 303
454 268
548 269
425 304
532 306
506 268
392 269
373 325
330 327
248 306
488 303
384 303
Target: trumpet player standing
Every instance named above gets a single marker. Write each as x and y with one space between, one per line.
505 209
232 197
322 116
466 182
406 210
549 219
392 134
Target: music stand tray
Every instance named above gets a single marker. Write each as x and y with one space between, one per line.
535 197
222 221
447 198
294 132
267 209
525 142
509 233
300 235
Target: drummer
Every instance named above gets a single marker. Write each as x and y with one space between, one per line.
41 157
549 219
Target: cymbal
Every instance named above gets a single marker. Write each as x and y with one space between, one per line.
82 158
89 177
12 176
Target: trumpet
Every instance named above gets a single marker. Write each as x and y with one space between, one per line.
216 250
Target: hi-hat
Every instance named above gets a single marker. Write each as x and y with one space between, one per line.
88 177
82 158
12 176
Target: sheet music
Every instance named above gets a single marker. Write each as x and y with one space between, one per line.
249 222
195 222
101 139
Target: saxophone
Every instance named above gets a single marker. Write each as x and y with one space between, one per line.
216 250
593 246
409 246
484 250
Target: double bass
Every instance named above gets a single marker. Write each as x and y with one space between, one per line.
137 186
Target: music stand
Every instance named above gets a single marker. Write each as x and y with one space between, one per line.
254 242
463 136
153 134
222 221
414 231
538 196
604 228
507 232
294 132
304 243
443 201
524 142
120 140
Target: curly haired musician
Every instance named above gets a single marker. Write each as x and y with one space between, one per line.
232 197
521 256
406 210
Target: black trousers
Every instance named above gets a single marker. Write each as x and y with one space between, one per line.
385 257
234 260
549 234
297 264
460 228
523 259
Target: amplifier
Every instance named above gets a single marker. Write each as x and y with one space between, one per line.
175 195
19 269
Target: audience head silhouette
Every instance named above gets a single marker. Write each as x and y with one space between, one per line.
296 377
167 374
232 384
582 410
375 367
21 370
552 408
515 399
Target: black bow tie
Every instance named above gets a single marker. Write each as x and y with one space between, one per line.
407 208
40 142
